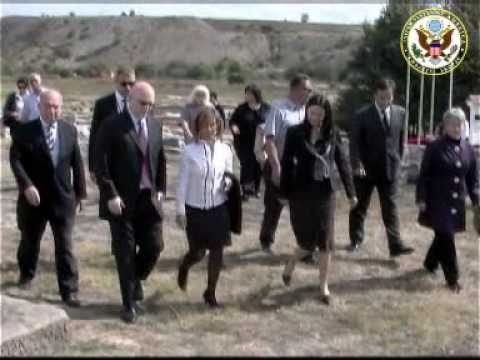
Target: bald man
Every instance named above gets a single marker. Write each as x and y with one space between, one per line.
130 168
44 155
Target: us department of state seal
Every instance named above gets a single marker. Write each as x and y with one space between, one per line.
434 41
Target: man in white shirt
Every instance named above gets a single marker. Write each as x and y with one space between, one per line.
30 110
285 113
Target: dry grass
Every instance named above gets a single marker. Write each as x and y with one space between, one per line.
380 306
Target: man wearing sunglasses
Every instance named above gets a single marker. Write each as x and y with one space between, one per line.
130 167
14 105
106 106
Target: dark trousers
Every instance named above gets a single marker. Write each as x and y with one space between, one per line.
443 252
137 244
32 223
273 209
250 170
387 192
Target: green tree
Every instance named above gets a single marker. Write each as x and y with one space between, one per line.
379 55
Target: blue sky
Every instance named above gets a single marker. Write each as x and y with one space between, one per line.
346 13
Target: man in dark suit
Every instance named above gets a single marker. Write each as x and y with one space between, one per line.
376 151
44 154
130 168
107 106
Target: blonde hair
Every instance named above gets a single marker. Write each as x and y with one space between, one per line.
200 89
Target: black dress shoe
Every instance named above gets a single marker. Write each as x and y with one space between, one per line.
455 287
182 279
429 268
129 315
404 250
287 279
25 282
326 299
138 291
353 247
71 300
211 300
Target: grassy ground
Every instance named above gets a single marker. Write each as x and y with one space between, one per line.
380 306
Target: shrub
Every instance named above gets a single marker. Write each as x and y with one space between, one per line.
236 78
145 70
176 69
201 72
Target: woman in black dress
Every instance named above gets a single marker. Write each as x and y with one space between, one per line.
312 148
201 199
243 124
448 171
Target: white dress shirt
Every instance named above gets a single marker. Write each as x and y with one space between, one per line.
30 110
136 123
387 112
200 179
55 152
120 101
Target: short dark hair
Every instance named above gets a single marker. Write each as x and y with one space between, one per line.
321 100
124 71
207 111
298 79
22 80
384 84
255 91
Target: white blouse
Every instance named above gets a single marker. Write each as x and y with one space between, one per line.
200 179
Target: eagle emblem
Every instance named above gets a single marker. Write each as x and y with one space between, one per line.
434 41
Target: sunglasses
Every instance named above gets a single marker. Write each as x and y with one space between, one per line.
127 83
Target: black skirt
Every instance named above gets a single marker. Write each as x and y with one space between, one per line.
312 215
208 229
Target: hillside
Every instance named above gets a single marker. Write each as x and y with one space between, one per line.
75 42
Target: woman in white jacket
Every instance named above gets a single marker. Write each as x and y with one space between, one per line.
201 199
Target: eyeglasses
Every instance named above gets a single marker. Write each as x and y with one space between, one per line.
127 83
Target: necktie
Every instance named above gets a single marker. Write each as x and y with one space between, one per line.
50 138
124 104
142 141
385 121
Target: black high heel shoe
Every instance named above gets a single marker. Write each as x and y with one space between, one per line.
182 279
210 300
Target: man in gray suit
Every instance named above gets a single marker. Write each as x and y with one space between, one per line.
376 151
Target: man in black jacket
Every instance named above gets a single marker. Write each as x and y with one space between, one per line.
376 151
43 155
107 106
14 105
130 168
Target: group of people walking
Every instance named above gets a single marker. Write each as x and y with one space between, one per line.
292 143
